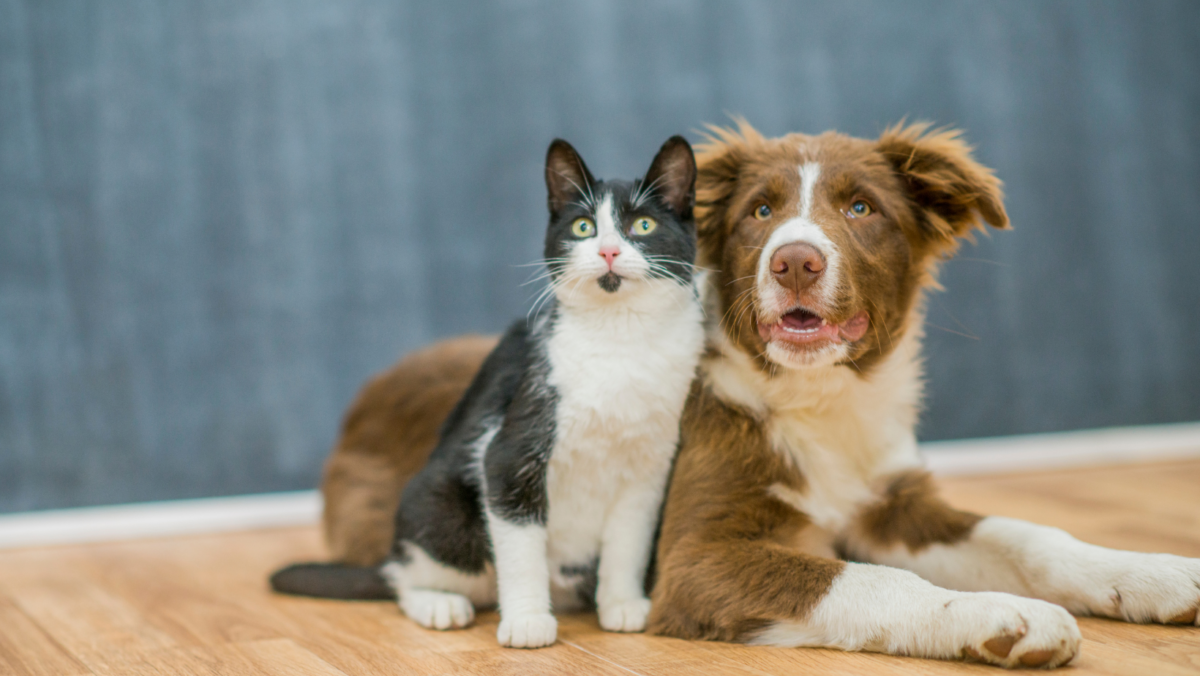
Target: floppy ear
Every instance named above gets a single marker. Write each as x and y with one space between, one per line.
567 177
954 192
672 176
720 160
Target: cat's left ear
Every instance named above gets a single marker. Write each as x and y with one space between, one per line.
567 177
672 176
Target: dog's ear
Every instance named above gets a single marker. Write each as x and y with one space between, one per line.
672 176
953 192
720 159
567 177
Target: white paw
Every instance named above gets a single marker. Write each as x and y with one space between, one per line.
627 615
527 631
1154 588
1011 631
436 609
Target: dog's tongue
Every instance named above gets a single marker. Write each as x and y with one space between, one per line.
801 320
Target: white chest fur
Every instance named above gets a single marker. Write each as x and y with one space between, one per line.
622 374
841 430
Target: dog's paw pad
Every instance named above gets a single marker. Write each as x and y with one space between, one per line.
1186 617
1002 645
1036 658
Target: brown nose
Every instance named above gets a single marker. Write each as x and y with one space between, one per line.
797 266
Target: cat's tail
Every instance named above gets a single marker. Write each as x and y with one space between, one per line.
332 581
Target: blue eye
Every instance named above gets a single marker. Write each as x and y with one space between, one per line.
860 209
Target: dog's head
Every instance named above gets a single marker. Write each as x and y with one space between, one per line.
824 243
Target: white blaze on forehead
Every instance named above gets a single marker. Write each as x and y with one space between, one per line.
809 173
804 229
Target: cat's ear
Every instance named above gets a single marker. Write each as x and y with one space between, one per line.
567 177
672 176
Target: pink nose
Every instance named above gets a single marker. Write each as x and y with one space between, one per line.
610 254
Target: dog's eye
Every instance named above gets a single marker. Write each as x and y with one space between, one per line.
763 212
644 226
583 227
859 209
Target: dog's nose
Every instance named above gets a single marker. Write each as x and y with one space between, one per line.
797 266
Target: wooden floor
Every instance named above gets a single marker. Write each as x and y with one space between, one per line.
199 605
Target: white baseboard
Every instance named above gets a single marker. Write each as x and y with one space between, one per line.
159 519
1111 446
999 455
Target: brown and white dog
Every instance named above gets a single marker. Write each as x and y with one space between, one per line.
799 513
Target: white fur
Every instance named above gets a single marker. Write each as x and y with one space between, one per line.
1047 563
622 374
434 595
893 611
803 229
843 432
523 578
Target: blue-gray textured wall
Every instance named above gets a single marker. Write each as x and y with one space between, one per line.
218 217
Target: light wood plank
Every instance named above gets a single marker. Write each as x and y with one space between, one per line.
200 604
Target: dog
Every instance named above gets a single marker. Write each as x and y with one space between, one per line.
798 512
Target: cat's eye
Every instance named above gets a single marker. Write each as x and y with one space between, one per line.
763 212
644 226
859 209
583 227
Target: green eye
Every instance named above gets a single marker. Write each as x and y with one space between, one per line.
860 209
763 212
583 227
644 226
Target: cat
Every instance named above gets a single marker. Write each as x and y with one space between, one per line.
546 486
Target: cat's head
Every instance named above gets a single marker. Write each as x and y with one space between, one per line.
611 238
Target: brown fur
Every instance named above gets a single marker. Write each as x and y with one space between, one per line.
387 435
725 568
727 572
732 558
911 512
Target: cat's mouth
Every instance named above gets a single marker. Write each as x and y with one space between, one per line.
610 281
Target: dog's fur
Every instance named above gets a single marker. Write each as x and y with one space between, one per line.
798 512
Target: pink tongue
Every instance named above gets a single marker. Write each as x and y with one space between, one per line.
799 320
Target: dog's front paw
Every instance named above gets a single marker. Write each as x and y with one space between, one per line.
527 631
628 615
1155 588
1015 632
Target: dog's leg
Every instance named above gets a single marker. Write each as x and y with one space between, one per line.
757 591
913 529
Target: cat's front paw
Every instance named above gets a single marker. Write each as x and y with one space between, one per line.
629 615
527 631
1156 588
437 609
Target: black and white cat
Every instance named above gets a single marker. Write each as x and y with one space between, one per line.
545 489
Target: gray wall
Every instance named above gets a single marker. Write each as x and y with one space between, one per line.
217 218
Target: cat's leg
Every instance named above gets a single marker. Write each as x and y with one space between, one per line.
435 595
915 530
523 578
624 555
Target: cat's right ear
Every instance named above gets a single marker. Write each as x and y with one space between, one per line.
567 177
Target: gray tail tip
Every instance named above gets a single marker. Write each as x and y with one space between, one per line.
332 581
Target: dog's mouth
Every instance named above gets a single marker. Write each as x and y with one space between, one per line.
802 327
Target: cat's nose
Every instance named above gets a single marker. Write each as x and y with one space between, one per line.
610 254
